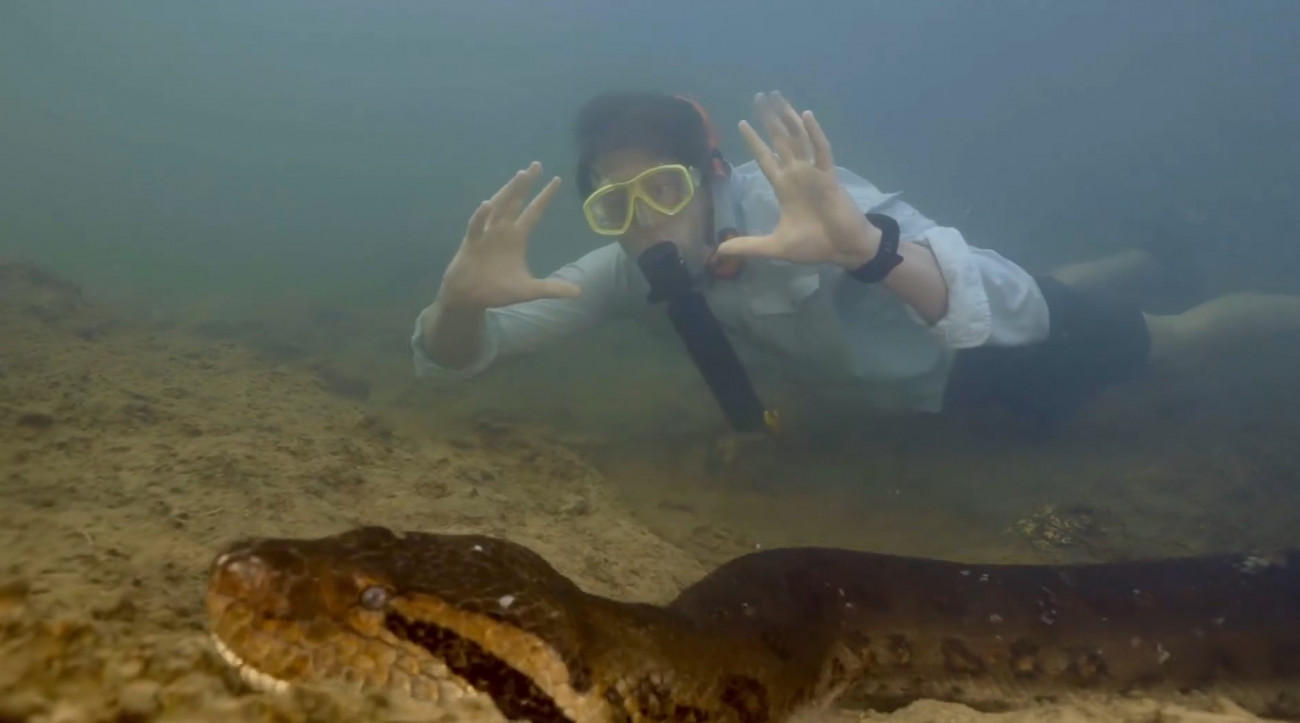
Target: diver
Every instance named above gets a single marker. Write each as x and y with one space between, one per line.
818 278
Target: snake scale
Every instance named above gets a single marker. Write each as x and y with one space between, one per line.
759 638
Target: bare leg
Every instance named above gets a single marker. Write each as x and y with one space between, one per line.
1220 324
1158 276
1122 274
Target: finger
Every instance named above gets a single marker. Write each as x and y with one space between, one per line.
776 131
762 154
760 246
532 213
821 145
478 220
788 116
507 188
793 125
512 189
514 202
555 289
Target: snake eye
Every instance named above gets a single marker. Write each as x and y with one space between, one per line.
375 598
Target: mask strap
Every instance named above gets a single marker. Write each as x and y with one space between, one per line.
717 164
722 268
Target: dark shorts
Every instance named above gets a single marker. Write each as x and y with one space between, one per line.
1093 342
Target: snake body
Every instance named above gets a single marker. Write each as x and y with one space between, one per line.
758 639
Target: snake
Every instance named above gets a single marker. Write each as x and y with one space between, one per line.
761 638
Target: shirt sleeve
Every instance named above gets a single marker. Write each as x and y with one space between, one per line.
532 325
991 300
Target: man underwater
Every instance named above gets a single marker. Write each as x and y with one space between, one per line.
817 276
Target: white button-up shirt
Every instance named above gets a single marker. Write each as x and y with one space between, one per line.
803 329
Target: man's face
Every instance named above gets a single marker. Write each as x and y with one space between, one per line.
688 229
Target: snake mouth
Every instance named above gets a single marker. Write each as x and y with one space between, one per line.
286 614
255 678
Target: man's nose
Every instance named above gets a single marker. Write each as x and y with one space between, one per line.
643 216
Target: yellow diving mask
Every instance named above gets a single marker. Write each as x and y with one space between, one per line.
666 189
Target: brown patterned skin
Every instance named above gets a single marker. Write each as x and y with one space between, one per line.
450 616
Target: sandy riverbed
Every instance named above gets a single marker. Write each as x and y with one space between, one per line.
131 453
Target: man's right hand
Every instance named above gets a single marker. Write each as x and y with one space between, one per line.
490 269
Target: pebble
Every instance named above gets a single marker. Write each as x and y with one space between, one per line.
139 698
65 712
22 705
576 507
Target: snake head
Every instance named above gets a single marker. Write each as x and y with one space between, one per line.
424 615
284 611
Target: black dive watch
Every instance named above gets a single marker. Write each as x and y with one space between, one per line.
878 267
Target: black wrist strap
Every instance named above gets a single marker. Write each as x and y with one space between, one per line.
886 257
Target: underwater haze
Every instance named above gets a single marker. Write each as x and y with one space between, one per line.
220 220
167 152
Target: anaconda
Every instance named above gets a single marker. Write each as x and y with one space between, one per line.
435 616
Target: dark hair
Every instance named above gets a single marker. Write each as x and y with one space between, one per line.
657 123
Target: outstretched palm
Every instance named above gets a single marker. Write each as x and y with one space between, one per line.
819 221
490 269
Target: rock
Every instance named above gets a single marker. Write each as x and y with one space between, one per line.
576 507
67 712
22 705
13 599
139 698
35 420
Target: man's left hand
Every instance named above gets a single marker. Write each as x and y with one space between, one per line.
819 223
